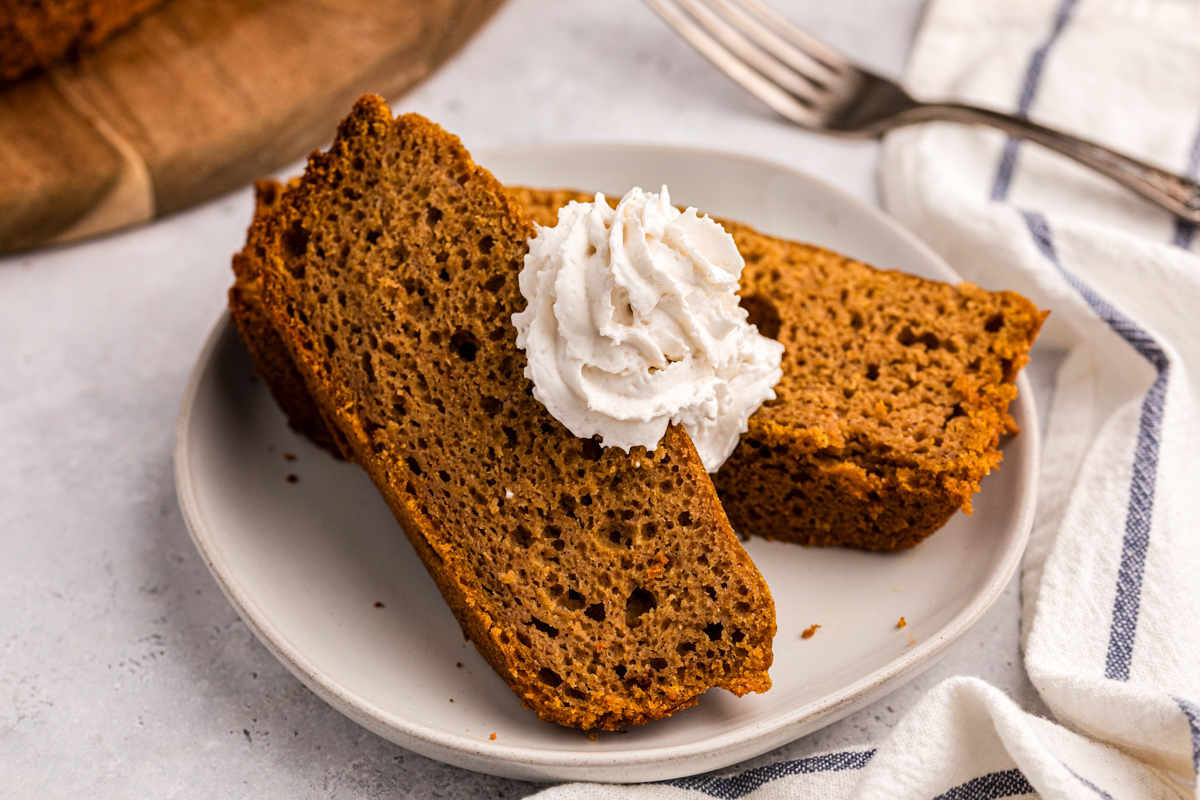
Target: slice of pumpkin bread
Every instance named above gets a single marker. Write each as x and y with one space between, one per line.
894 397
605 588
271 358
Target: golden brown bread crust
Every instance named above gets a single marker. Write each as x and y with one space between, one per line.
605 588
34 34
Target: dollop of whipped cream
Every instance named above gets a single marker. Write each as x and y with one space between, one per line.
633 324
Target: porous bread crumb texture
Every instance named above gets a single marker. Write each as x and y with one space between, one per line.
894 398
271 357
34 34
604 594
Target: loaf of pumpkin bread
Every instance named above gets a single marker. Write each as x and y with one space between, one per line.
606 588
34 34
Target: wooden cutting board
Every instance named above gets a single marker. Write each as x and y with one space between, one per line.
200 97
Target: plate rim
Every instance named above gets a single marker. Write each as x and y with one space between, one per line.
536 763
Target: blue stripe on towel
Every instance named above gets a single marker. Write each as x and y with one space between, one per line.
1009 783
1140 511
745 783
1186 231
1033 76
1089 784
1193 717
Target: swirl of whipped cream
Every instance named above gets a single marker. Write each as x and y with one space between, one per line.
633 324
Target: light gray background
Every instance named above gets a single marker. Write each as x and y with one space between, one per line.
123 670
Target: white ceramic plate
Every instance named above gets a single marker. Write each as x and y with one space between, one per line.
306 563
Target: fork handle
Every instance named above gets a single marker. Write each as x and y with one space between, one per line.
1176 193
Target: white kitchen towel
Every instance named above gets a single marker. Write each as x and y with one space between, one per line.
1111 580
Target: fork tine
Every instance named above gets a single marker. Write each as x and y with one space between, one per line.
777 99
813 66
801 38
803 88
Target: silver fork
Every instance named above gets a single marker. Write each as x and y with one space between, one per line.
818 89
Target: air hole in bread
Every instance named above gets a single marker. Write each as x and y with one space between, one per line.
622 534
491 405
465 344
762 314
595 611
592 450
545 628
522 536
714 631
575 600
295 245
639 603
